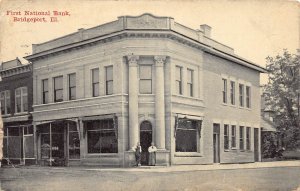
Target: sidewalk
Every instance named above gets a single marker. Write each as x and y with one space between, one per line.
186 168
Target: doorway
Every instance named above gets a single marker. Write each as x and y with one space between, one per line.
145 140
256 147
216 142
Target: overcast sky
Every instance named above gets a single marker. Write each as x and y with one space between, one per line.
255 29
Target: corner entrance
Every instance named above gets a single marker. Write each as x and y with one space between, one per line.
145 140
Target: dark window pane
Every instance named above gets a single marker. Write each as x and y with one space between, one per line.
58 96
109 87
18 104
186 141
95 89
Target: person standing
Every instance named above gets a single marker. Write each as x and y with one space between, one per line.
152 154
138 152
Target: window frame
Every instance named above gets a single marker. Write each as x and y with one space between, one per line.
71 87
107 81
226 137
178 81
21 96
248 96
232 92
195 130
141 78
101 130
44 92
190 75
241 138
241 95
7 102
56 90
224 91
95 83
248 138
233 136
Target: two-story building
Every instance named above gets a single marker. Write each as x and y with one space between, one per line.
16 105
99 91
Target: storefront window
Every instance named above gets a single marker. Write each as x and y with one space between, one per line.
186 135
102 136
74 142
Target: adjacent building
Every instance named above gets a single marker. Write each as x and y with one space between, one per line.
99 91
16 105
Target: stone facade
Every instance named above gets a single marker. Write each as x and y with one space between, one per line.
165 87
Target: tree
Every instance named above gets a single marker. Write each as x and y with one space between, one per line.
283 91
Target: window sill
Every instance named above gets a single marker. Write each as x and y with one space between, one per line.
226 150
102 154
6 115
188 154
21 113
234 148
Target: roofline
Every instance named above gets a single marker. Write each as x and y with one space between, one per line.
211 50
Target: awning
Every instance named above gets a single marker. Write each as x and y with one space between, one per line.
267 126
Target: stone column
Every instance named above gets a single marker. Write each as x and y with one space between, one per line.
133 100
159 102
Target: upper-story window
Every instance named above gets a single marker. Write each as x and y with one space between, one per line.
241 95
21 99
5 102
45 91
232 92
58 89
109 80
95 82
224 90
72 86
248 97
145 75
178 78
190 79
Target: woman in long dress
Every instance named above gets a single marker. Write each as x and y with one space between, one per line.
152 154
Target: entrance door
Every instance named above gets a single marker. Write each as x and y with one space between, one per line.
216 141
256 145
145 140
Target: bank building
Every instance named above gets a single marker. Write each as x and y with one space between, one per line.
99 91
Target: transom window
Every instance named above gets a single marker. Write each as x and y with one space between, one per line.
178 78
109 80
5 102
186 135
58 89
190 79
21 100
102 136
145 75
72 86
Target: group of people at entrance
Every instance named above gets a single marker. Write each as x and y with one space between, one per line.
152 154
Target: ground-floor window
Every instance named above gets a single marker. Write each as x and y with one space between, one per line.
241 138
187 135
248 143
102 136
74 142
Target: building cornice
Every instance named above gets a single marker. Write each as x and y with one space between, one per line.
128 34
15 71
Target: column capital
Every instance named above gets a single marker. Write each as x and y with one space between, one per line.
132 60
159 60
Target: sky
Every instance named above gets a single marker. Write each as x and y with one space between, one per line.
255 29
